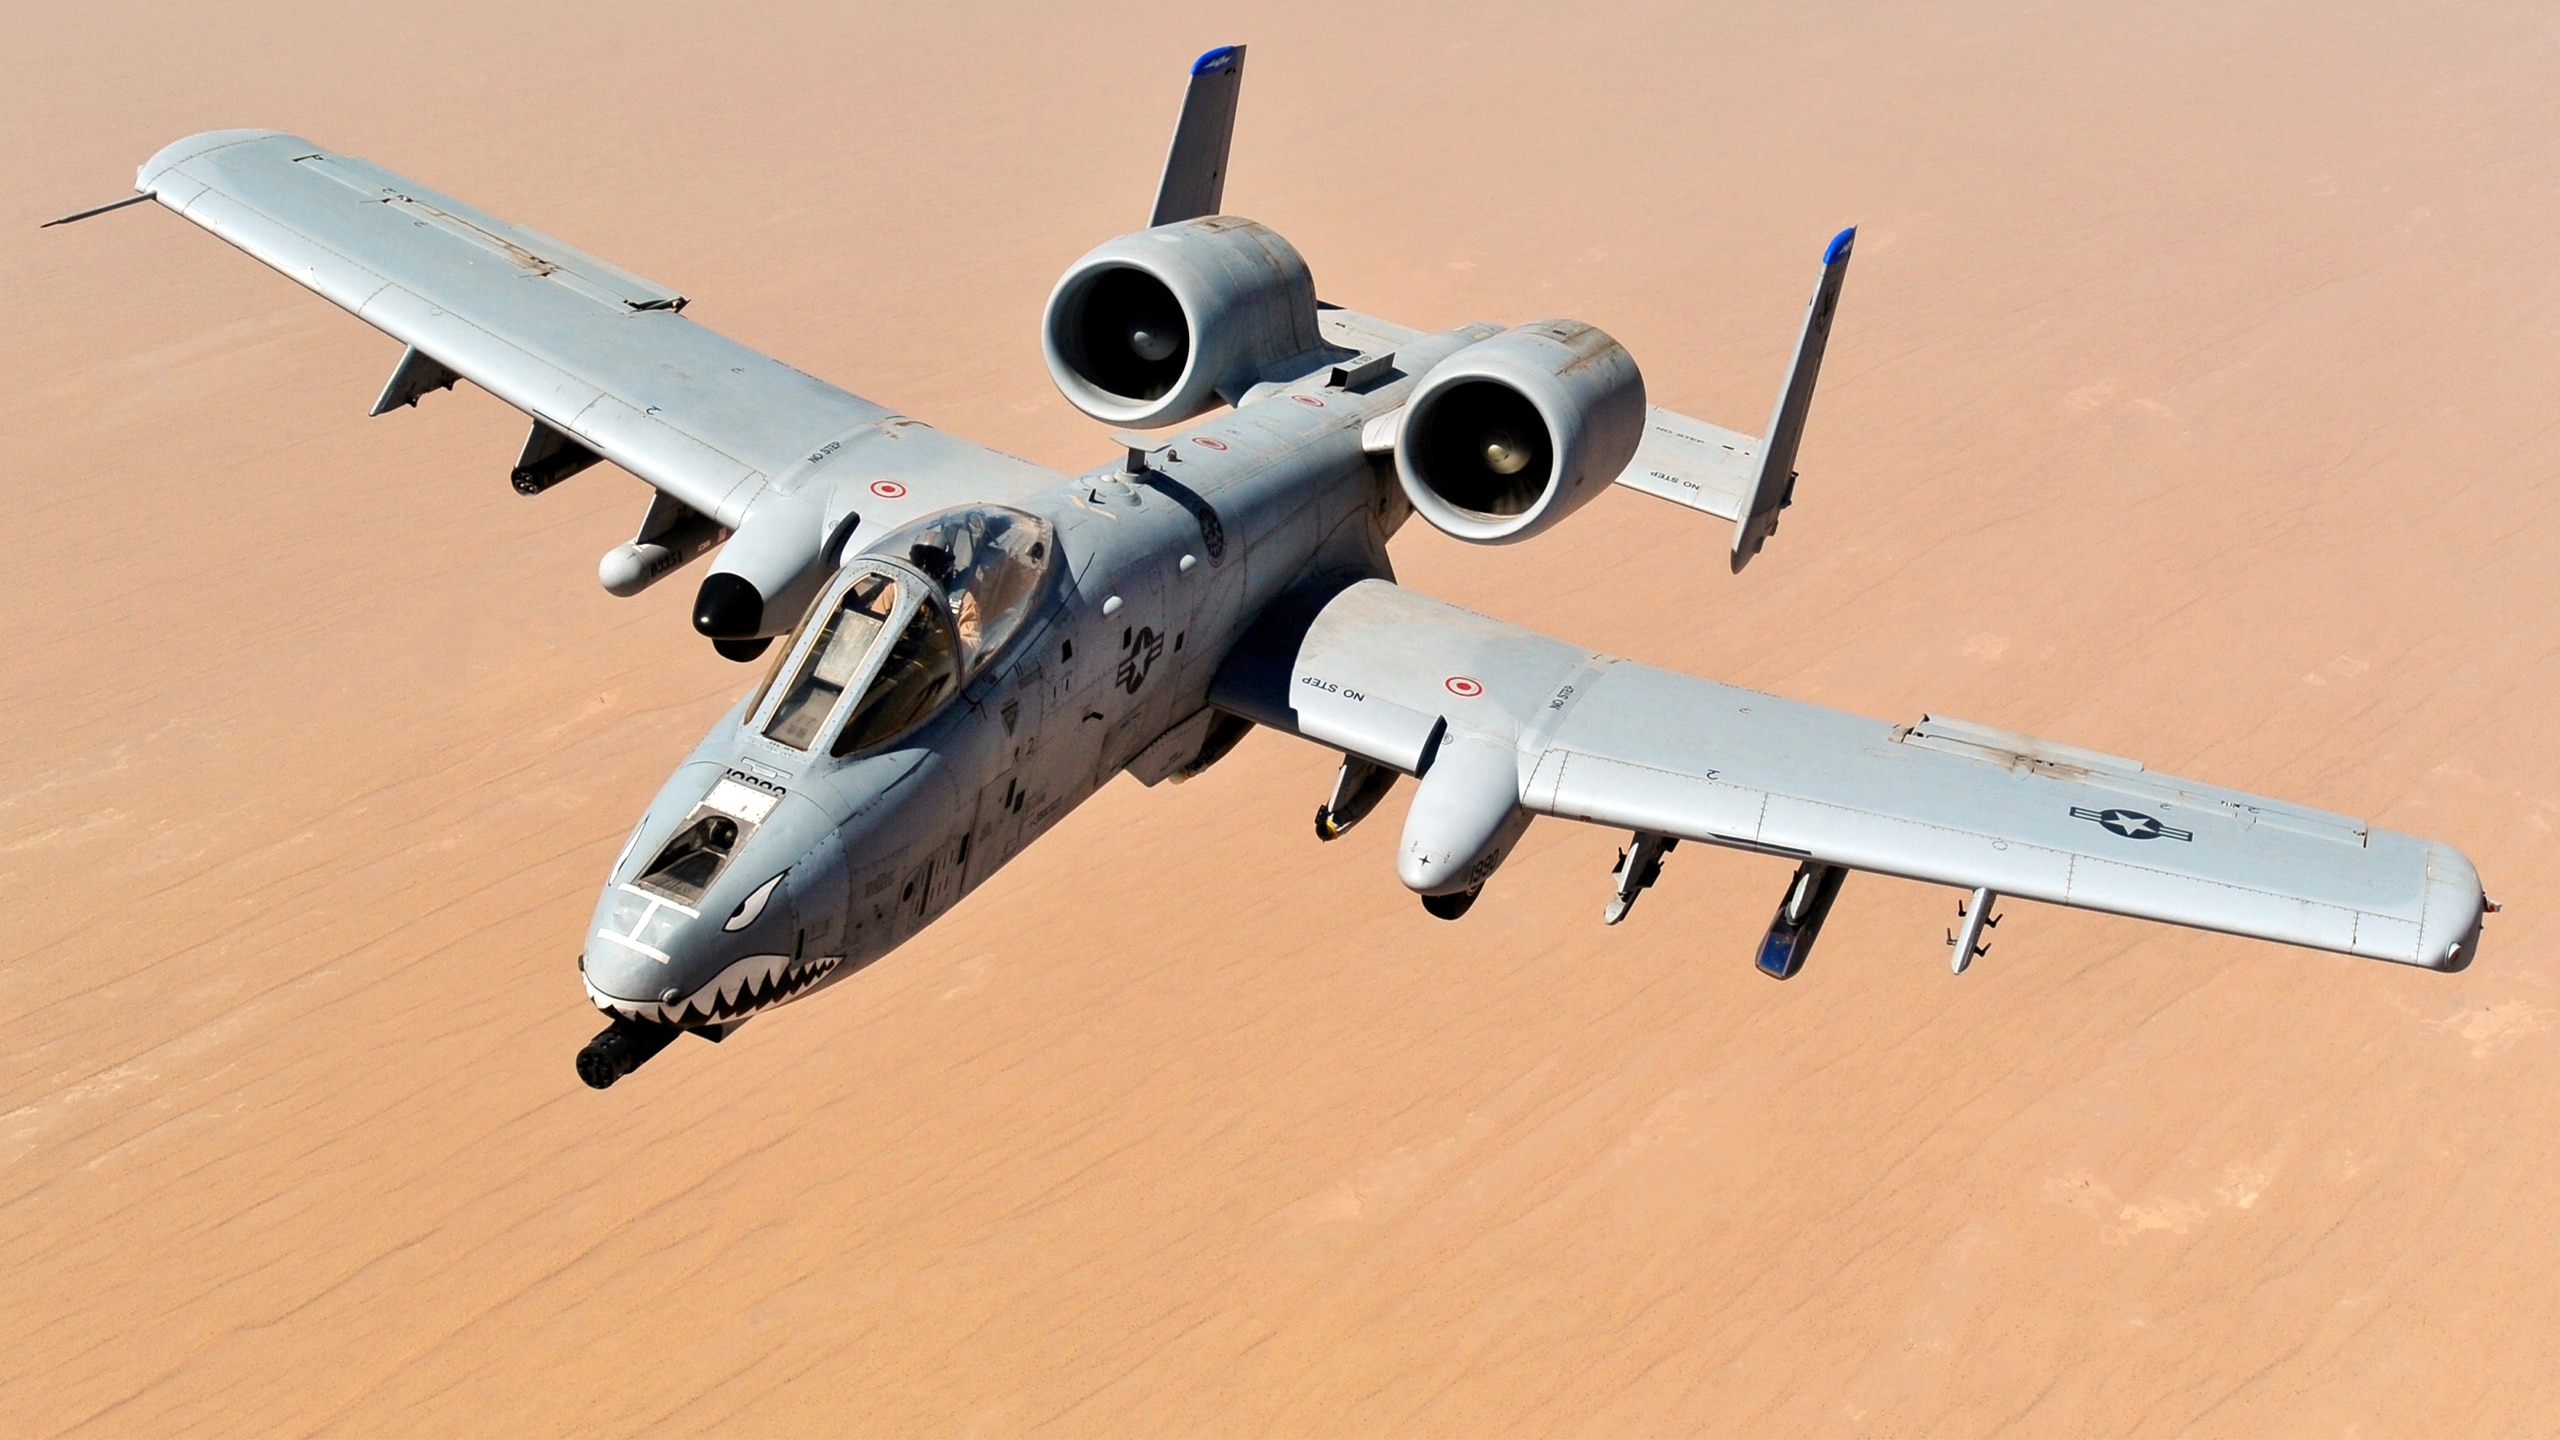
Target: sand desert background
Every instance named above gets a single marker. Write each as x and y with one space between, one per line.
2193 399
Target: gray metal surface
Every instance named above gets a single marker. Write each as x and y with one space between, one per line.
589 348
1746 479
1195 168
1616 743
975 645
1690 462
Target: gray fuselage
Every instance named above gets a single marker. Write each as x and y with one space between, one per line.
1158 571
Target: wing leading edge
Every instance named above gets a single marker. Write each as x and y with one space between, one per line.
590 350
1612 742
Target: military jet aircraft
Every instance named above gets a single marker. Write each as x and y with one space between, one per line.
971 645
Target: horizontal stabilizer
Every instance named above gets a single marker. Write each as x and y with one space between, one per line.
1195 170
1690 462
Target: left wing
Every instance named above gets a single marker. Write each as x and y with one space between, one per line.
1403 680
598 357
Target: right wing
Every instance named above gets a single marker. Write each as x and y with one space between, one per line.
1400 679
595 353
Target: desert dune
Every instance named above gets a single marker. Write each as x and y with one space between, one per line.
2192 399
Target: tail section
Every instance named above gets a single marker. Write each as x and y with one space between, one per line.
1776 481
1195 170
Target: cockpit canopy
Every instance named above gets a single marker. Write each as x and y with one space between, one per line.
905 625
992 566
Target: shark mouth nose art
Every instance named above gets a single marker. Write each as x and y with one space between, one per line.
758 982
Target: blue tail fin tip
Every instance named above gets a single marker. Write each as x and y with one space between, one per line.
1217 61
1839 248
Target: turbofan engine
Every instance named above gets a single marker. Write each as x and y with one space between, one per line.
1155 327
1512 434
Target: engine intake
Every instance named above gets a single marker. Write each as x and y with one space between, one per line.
1510 435
1155 327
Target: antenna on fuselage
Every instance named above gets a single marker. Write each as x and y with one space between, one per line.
1195 169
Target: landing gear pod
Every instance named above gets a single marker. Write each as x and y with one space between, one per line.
1509 436
1156 327
1466 816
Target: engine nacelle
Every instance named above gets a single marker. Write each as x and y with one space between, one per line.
1512 434
767 574
1155 327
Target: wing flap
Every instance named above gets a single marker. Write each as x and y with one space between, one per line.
575 342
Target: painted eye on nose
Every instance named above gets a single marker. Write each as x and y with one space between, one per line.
753 905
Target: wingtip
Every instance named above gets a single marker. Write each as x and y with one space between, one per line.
1218 61
1838 250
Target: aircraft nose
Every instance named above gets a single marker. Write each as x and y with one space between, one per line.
652 959
634 951
707 918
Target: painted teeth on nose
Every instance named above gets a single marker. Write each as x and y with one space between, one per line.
755 983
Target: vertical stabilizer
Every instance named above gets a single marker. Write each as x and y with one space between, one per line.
1786 426
1195 170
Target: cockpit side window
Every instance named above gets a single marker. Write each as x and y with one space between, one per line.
833 661
921 669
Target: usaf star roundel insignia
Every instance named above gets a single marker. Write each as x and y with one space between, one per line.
2131 824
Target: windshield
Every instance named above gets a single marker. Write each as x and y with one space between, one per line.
833 662
992 565
920 670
